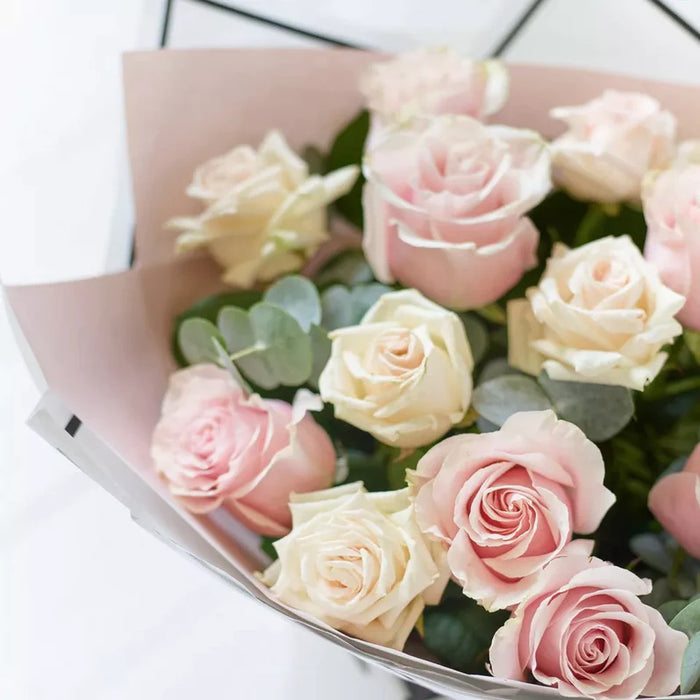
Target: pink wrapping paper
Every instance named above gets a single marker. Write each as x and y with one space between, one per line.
103 344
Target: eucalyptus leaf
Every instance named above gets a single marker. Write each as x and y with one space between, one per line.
343 307
495 368
226 362
671 608
688 619
600 410
690 669
652 551
286 350
194 337
237 330
460 632
321 351
660 593
477 334
499 398
349 268
298 297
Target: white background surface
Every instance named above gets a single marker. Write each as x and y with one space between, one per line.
92 607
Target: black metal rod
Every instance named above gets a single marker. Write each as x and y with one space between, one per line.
519 25
278 25
165 25
676 18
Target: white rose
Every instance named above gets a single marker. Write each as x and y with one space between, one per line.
403 374
599 314
265 213
358 562
611 143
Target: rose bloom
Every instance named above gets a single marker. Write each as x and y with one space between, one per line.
611 143
585 632
506 503
434 81
265 214
403 374
675 502
672 211
445 203
217 447
358 562
599 314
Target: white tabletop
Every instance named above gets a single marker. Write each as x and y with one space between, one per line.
91 606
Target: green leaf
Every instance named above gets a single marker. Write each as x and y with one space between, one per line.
690 670
370 468
396 469
347 149
285 349
671 608
499 398
495 368
477 334
343 307
601 411
226 362
651 549
688 619
348 268
267 546
321 351
692 342
493 313
660 593
194 337
314 159
459 632
238 332
298 297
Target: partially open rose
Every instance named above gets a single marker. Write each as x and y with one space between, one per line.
445 204
611 143
585 632
505 503
358 561
217 447
599 314
265 213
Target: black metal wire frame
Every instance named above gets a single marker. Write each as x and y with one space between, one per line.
508 39
676 18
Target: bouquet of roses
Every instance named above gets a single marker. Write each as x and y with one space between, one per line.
475 414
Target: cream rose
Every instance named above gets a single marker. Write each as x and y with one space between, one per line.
599 314
434 81
403 374
358 562
585 632
611 143
265 213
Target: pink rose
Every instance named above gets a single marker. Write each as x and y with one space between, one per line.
585 632
675 503
444 208
672 210
216 446
433 81
611 143
508 502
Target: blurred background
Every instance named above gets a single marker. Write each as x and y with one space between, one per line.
91 606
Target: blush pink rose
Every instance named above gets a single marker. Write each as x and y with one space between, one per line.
215 446
508 502
672 211
585 632
611 143
445 203
675 503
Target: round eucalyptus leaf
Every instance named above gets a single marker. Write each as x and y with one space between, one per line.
365 296
671 608
226 362
236 328
688 619
285 349
349 268
321 351
651 549
477 334
337 308
600 410
690 669
298 297
195 336
498 399
495 368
